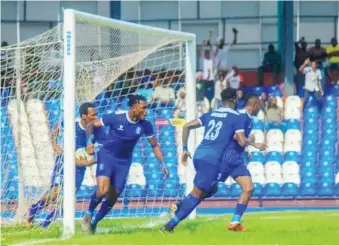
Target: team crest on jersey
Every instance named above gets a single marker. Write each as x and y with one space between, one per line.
138 130
121 128
101 166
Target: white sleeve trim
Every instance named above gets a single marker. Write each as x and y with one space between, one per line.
199 121
150 136
102 122
240 130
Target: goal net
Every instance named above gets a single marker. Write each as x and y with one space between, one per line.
90 58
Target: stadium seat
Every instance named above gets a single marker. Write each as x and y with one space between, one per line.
293 102
259 136
329 134
134 190
308 189
293 135
155 188
275 135
255 167
257 157
272 189
274 156
336 190
290 167
311 113
275 147
292 124
257 124
172 189
235 190
223 190
274 90
330 101
292 156
292 113
258 189
329 113
261 115
290 189
292 145
326 189
309 176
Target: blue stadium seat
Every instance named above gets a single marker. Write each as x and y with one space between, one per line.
290 189
327 155
274 90
235 190
165 113
329 134
169 151
258 124
223 190
258 190
330 101
257 157
326 189
311 113
292 156
292 124
329 123
272 190
274 156
309 176
332 90
308 189
155 188
134 190
172 189
336 190
329 113
308 154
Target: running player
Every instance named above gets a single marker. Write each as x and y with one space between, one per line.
88 113
220 127
115 156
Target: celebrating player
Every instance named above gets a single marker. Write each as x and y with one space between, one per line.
233 163
88 113
220 127
114 158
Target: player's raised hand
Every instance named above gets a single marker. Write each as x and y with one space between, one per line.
184 156
164 169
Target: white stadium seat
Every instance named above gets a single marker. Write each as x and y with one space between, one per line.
275 146
259 136
290 167
229 181
293 134
292 113
292 145
274 135
292 178
280 102
293 102
261 115
255 167
259 178
136 175
274 178
272 167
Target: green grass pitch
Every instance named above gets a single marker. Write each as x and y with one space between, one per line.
272 228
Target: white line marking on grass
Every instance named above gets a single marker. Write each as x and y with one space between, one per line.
33 242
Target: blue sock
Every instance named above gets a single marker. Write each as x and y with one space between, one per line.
187 206
239 211
36 207
93 203
50 217
104 210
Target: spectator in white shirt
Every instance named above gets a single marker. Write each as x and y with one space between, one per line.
313 79
164 94
233 79
205 54
221 52
218 87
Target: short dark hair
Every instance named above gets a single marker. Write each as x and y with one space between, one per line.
83 109
228 94
134 99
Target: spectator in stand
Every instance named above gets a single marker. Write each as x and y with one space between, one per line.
240 99
301 54
205 54
180 104
263 101
218 87
233 79
271 63
274 114
313 77
164 94
200 93
221 52
319 55
333 58
145 89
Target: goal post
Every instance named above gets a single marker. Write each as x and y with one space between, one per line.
76 22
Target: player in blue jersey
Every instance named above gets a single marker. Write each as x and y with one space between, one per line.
115 156
220 127
88 113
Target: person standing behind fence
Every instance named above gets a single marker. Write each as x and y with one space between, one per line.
313 77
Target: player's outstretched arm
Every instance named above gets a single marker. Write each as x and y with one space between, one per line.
158 154
185 135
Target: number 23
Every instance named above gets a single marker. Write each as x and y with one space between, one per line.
214 130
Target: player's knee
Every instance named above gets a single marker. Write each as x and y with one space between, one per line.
248 189
102 190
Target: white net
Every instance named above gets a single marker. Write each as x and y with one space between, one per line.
111 64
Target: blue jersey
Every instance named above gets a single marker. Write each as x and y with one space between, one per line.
124 134
220 127
247 126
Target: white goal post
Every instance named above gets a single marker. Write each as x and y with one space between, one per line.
72 26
